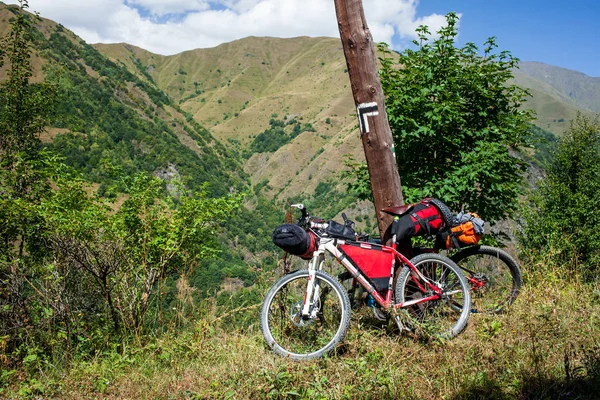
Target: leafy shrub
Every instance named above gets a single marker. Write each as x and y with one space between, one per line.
563 221
124 254
275 137
456 122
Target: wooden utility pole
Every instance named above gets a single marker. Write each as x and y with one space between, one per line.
375 130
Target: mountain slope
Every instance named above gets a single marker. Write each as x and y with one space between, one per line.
553 110
237 88
264 72
111 124
573 86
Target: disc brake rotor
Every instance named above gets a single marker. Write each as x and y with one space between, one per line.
296 315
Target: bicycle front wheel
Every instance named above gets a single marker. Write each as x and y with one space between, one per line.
446 316
290 334
494 277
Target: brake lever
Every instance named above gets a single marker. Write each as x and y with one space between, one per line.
347 221
304 219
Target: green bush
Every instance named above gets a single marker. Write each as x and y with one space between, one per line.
456 122
563 219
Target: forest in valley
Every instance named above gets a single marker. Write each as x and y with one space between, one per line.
136 246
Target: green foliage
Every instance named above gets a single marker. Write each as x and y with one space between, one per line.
545 144
563 221
252 226
23 106
23 176
124 254
140 67
79 272
276 136
109 137
239 308
356 176
456 122
327 201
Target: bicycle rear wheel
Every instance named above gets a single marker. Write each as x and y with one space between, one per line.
447 316
288 333
494 277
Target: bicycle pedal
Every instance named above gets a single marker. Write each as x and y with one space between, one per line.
379 314
401 326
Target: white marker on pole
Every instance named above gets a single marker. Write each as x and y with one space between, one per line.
364 111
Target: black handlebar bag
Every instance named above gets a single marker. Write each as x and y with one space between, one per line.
337 230
295 240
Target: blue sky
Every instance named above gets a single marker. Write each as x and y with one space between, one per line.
562 33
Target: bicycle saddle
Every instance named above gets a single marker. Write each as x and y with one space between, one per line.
399 210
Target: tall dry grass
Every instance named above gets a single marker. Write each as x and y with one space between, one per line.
546 346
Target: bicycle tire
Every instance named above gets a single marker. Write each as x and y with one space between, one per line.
290 336
446 317
499 273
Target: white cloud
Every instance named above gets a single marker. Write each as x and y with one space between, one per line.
197 25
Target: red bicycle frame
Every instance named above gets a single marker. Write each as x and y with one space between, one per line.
333 246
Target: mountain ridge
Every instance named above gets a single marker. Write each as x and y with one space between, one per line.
551 102
236 88
583 90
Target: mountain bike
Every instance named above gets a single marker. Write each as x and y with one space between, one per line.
307 312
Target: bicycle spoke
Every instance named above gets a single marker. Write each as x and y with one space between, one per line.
494 275
444 313
292 334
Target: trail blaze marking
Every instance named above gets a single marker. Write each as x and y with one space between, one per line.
364 111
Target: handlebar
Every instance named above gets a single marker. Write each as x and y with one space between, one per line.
315 222
306 220
300 207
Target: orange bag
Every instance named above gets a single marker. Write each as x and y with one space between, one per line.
467 233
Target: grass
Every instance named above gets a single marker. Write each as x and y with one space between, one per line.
546 346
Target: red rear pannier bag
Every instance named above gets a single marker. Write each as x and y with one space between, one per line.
375 263
424 219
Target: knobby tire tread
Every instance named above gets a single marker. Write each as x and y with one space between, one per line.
463 308
337 338
503 256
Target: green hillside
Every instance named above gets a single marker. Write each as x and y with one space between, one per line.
236 88
573 86
160 104
109 123
553 109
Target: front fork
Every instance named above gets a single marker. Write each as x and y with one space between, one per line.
313 290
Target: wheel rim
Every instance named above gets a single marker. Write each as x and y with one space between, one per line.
491 282
438 318
300 336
